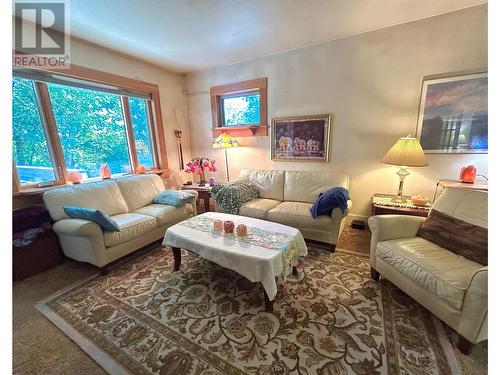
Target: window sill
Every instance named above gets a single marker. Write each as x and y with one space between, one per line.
36 190
40 190
241 131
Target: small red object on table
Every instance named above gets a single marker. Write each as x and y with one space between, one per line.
468 174
228 226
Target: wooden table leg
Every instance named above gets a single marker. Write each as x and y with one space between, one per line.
177 258
267 302
294 271
206 201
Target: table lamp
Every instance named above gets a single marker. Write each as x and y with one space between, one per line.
225 141
407 152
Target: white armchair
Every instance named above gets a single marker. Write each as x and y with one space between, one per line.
452 287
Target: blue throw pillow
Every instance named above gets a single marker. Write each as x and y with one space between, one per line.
91 214
175 198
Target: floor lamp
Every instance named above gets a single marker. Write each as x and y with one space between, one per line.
225 141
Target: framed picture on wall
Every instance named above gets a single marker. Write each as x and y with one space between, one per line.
453 115
300 138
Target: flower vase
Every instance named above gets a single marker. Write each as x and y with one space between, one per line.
202 179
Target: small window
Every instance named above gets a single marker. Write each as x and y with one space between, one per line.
240 107
29 146
241 110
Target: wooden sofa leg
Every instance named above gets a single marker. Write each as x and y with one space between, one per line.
104 270
375 274
332 248
464 345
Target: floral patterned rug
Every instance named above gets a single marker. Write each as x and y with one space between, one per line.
142 318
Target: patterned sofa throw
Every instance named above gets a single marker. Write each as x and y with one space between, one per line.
458 236
232 195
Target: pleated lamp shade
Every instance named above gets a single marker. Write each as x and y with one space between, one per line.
225 141
406 152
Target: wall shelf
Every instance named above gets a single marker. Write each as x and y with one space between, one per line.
241 131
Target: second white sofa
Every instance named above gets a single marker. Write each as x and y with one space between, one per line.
286 196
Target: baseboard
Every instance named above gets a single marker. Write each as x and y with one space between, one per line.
351 217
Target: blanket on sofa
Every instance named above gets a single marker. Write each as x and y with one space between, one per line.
327 201
232 195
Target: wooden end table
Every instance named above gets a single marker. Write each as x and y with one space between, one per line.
203 193
382 205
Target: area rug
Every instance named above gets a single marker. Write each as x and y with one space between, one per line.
142 318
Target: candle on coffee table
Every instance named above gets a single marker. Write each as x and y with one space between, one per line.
228 226
241 230
218 225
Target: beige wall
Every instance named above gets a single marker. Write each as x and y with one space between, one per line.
370 83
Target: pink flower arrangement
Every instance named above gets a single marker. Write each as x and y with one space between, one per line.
199 165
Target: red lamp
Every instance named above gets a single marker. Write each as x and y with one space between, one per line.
140 169
74 177
105 171
468 174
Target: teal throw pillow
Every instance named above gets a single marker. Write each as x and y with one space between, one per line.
91 214
175 198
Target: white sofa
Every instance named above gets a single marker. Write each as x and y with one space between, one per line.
128 201
453 288
286 196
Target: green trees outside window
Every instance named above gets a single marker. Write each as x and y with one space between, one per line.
142 133
241 110
91 128
29 145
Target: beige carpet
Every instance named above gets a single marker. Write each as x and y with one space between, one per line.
41 348
332 318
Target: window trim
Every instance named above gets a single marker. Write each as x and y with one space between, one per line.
103 78
49 139
129 127
53 140
217 93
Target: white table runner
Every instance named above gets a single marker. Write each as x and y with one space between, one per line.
256 263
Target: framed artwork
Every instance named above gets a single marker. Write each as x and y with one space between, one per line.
453 115
300 138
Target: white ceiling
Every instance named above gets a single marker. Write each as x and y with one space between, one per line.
189 35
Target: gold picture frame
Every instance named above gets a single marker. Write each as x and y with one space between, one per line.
301 138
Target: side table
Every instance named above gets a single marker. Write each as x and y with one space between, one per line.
478 185
35 246
203 193
382 205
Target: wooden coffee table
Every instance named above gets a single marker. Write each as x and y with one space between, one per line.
268 251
